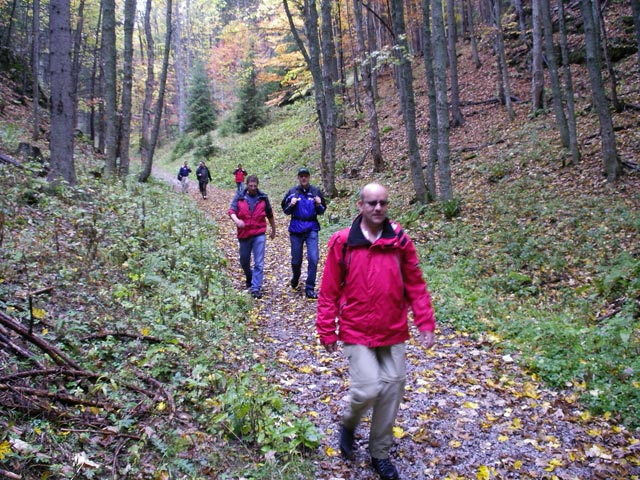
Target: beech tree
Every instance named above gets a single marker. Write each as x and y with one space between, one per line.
61 142
610 159
407 99
109 82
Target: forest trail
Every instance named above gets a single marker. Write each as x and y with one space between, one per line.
469 411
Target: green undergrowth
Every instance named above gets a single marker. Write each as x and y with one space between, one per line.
555 277
140 297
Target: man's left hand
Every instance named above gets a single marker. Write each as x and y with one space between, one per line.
428 339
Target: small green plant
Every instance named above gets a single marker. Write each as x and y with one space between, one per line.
451 208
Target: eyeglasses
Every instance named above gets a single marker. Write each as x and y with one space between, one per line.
373 203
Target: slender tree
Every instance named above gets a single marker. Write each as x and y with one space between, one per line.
329 79
568 87
472 34
127 86
146 172
145 140
635 7
370 106
457 118
442 104
110 87
554 77
432 160
407 99
537 67
61 141
35 60
501 58
611 161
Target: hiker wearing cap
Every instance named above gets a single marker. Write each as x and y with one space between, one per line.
304 203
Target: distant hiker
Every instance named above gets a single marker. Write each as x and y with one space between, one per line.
304 203
250 209
204 177
183 173
371 278
240 173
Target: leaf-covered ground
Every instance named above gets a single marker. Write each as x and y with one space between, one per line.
469 410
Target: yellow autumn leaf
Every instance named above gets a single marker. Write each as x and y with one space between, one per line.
161 406
503 438
517 423
473 405
553 463
331 452
585 416
517 464
5 449
483 473
455 443
38 313
145 331
306 369
398 432
313 414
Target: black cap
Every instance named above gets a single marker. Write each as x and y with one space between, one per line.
303 171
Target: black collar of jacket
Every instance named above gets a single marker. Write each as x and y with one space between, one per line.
356 237
244 194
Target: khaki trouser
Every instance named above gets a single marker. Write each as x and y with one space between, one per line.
377 380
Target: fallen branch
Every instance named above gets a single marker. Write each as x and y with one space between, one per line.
58 396
55 353
10 160
8 474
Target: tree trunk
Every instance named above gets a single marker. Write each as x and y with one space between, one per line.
127 85
109 82
568 87
365 69
35 70
179 67
145 142
635 7
537 66
328 80
457 118
439 63
615 101
77 54
502 59
61 141
474 41
432 160
146 172
407 99
611 162
552 64
94 80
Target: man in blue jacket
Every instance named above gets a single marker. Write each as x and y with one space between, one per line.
304 203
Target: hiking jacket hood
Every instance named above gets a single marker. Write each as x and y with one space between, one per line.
255 221
367 289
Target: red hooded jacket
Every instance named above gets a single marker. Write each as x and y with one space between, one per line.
367 289
255 221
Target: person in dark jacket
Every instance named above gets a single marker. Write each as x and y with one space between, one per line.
304 203
183 173
250 209
371 277
204 177
239 175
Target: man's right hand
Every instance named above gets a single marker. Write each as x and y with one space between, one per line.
294 200
331 347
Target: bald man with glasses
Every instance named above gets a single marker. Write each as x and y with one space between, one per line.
371 278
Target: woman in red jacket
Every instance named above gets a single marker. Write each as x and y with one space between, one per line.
371 278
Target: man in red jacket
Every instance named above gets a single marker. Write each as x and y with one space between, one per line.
371 278
249 210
